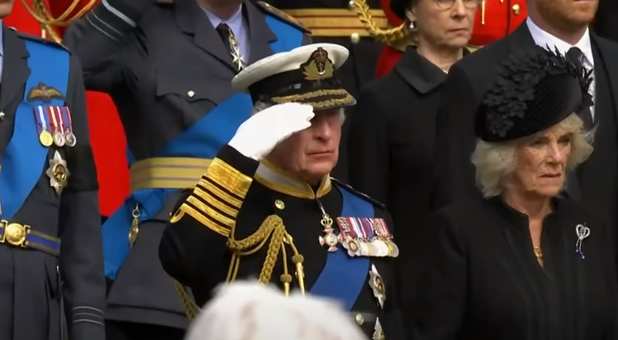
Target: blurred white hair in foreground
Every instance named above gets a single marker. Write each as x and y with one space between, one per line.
251 311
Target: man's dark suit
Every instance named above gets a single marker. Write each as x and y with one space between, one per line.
605 23
38 286
165 67
467 82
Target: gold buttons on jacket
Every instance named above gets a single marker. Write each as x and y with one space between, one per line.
355 38
190 93
279 204
516 9
359 318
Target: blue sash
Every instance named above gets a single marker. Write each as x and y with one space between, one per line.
203 140
343 277
25 158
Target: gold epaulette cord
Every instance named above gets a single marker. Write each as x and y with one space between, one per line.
191 308
271 228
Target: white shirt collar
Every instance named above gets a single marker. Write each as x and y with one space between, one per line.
545 39
234 21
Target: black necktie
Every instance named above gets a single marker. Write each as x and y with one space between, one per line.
576 56
229 40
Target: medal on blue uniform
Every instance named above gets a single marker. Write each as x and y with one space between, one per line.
71 139
364 236
45 136
56 129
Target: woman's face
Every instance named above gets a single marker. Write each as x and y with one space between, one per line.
541 164
443 23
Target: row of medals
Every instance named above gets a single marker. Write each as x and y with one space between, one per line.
355 246
57 138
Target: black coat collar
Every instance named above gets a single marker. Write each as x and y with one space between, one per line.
419 72
521 37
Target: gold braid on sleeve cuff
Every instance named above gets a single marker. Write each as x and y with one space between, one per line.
217 198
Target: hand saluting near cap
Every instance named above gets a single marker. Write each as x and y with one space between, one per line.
259 134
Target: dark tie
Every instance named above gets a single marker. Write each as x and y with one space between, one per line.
576 56
230 42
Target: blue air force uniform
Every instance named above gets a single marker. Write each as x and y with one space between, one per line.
51 281
168 71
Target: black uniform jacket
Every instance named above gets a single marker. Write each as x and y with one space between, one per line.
194 250
31 293
483 281
165 67
462 92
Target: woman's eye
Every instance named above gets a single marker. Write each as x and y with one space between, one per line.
565 140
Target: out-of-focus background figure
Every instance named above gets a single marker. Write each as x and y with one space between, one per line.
249 310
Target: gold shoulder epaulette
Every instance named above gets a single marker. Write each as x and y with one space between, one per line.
270 9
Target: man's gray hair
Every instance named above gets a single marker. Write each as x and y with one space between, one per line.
244 310
494 161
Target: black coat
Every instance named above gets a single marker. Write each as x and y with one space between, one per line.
482 279
392 132
163 75
194 251
462 92
605 23
31 293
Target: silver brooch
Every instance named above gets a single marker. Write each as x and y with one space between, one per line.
582 232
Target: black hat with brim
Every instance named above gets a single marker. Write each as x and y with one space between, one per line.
534 91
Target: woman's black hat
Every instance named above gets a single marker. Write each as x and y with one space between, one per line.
534 90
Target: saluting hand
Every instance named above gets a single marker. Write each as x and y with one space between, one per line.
259 134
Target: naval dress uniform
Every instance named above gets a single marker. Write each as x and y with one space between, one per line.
195 248
168 70
51 281
252 219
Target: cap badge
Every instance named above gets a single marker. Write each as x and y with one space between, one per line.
319 66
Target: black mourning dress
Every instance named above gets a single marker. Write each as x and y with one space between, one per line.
482 280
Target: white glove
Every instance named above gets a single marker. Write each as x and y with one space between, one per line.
258 135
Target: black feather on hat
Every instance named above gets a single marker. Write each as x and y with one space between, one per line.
534 90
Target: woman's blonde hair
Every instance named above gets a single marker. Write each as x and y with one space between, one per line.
494 161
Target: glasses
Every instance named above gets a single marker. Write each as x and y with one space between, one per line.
448 4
